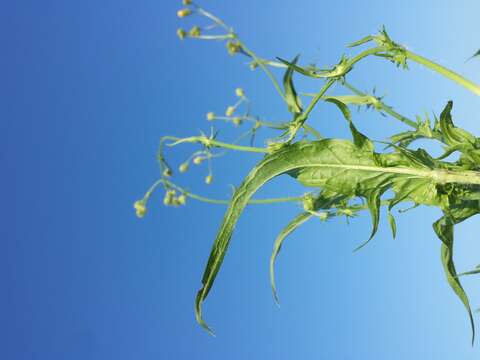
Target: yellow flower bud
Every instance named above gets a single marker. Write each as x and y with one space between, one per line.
183 12
182 199
183 167
195 31
169 197
230 110
233 47
237 121
167 172
140 208
209 179
239 92
197 160
210 116
186 2
181 33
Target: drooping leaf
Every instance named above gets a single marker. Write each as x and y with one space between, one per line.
324 200
393 224
373 202
444 230
287 230
360 140
291 97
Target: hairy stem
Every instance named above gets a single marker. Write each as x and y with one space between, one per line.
449 74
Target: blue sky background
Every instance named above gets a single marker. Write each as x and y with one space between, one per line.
87 88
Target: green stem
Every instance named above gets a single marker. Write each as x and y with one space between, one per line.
444 71
218 201
384 107
208 142
262 65
304 116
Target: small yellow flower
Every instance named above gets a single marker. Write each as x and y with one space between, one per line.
230 110
237 121
210 116
140 208
183 167
195 32
239 92
209 179
183 12
197 160
181 33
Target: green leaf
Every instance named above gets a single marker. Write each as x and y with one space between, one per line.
299 69
393 224
360 140
338 167
373 203
291 97
444 230
453 135
324 200
291 227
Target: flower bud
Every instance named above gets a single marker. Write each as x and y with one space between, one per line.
209 179
197 160
233 47
183 12
186 2
169 196
181 33
237 121
195 32
230 110
167 172
239 92
210 116
182 199
140 208
183 167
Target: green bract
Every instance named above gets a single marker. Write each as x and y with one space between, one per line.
341 177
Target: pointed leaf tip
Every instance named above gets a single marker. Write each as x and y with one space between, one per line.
291 227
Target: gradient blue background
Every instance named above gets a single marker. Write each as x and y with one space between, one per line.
86 90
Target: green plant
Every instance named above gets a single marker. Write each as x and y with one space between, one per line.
350 176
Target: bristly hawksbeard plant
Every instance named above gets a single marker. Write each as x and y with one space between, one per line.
344 177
